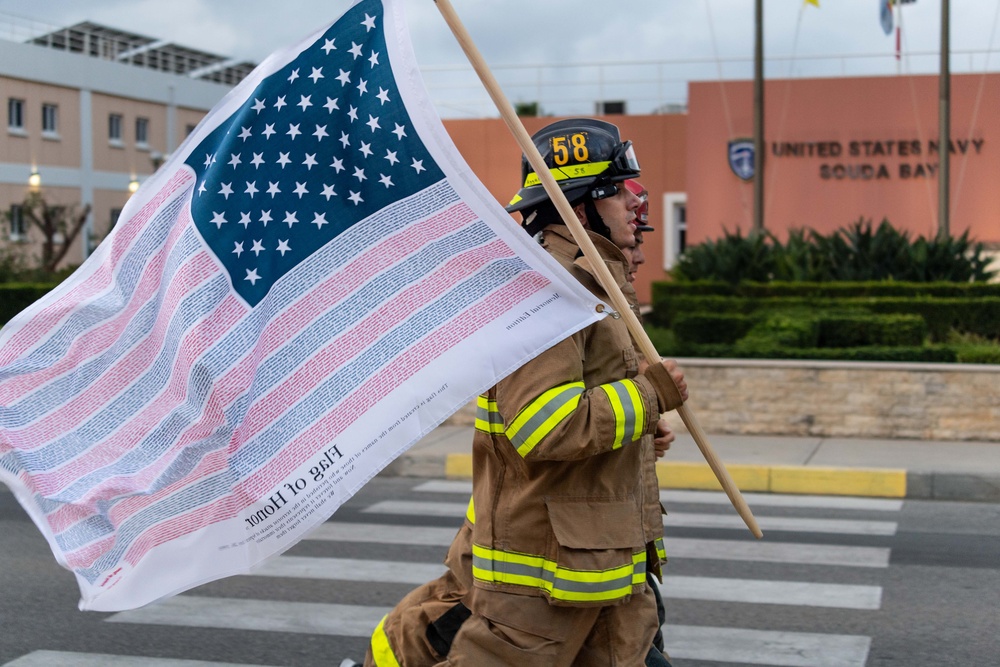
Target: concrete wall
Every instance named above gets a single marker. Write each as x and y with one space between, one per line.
837 399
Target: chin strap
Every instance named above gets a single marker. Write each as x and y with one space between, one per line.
594 219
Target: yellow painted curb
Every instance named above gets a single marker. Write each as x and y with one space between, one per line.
458 466
888 483
681 475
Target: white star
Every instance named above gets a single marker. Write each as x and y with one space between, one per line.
374 58
383 94
359 174
353 113
418 165
283 159
385 180
257 248
258 159
238 250
272 189
251 189
317 74
280 103
283 247
290 218
355 50
245 133
293 76
368 23
226 190
268 130
399 131
201 188
305 101
373 123
209 159
328 192
345 139
319 220
293 131
219 219
362 87
265 217
234 159
391 156
338 164
344 78
320 132
245 220
300 189
331 104
252 276
310 161
328 46
356 197
258 105
366 149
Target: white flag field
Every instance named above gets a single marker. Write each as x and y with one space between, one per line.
311 283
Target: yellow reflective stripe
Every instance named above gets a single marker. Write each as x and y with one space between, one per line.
381 651
660 551
537 419
488 418
566 173
470 512
627 406
504 567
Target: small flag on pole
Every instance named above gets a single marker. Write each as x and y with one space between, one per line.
311 283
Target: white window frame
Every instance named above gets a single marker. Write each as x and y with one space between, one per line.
673 226
50 120
15 119
115 137
17 228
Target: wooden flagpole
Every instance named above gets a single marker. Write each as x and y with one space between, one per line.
580 235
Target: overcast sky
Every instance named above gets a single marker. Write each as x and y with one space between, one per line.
695 39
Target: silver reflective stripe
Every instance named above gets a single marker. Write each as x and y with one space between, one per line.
538 420
628 408
542 574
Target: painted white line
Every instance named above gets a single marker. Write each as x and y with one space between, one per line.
263 615
68 659
756 591
383 534
676 519
782 523
776 552
719 498
349 569
759 647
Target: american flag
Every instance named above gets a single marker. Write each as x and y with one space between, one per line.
312 282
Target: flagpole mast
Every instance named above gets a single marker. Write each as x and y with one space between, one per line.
944 127
758 118
580 235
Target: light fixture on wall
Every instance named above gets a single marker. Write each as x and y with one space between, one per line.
34 180
133 185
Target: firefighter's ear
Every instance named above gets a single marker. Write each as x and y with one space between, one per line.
581 215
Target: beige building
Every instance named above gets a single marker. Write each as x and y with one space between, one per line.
92 110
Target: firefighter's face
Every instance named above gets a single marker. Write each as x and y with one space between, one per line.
618 213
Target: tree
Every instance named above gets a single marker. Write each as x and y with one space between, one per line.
59 225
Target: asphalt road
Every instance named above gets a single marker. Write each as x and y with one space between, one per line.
835 583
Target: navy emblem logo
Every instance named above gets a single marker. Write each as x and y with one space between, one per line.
741 158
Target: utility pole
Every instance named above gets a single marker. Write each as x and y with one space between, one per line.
944 128
758 118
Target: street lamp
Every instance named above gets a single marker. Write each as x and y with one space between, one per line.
34 180
133 185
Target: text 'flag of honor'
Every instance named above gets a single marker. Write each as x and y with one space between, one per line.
313 281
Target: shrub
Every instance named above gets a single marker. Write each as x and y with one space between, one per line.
864 330
703 327
15 297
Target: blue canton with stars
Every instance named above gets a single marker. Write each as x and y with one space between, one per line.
320 145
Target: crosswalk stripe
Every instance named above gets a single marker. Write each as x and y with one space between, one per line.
677 519
750 591
719 498
262 615
761 647
677 547
68 659
756 591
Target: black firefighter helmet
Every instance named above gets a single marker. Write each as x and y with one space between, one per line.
585 155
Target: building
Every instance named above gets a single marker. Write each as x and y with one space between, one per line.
91 110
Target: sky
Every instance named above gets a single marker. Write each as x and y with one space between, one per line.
568 53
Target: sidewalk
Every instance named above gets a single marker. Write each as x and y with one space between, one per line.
944 470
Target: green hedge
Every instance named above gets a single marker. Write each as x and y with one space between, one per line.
882 288
711 327
15 297
867 330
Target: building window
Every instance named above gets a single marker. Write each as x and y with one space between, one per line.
17 231
113 218
50 120
189 129
115 129
15 115
142 132
675 223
